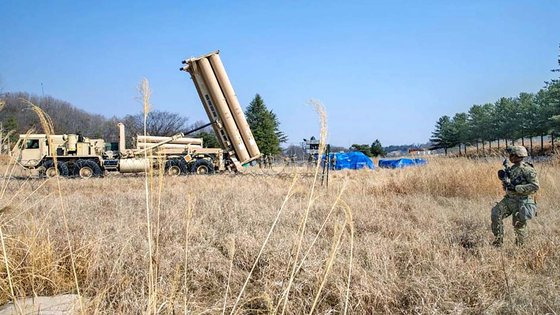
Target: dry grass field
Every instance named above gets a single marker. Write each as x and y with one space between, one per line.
386 241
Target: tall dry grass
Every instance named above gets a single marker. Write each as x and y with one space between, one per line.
48 128
420 243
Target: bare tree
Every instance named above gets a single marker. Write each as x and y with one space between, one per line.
159 123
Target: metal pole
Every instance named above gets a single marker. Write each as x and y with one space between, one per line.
320 158
198 128
328 162
1 138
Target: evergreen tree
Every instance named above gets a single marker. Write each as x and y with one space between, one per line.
208 139
444 137
11 124
553 100
282 137
364 148
376 149
461 128
528 116
507 119
265 127
480 117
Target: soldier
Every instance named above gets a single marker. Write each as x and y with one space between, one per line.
520 184
333 162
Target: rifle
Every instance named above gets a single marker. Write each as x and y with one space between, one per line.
504 176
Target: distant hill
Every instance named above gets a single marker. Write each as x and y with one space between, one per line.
66 117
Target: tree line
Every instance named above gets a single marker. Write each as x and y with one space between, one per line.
373 150
505 121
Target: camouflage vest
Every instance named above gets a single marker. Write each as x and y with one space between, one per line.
524 177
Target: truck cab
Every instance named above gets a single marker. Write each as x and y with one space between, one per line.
65 155
30 149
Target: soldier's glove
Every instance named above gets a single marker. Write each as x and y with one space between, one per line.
506 182
502 175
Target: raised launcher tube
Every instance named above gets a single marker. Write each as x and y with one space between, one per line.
222 107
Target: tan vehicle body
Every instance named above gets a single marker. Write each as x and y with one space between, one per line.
33 148
74 155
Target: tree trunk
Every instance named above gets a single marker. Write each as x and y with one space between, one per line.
498 143
465 150
477 148
483 148
542 144
445 149
523 141
531 145
552 141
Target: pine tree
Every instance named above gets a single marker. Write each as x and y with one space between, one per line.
208 138
553 91
364 148
480 117
376 148
11 124
444 137
265 127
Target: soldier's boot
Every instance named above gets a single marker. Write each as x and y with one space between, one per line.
498 242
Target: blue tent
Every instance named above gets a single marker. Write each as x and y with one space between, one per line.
400 163
353 160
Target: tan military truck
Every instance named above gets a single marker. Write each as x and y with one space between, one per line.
76 155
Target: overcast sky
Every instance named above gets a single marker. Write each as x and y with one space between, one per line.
383 70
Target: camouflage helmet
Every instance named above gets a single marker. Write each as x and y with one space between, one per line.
517 150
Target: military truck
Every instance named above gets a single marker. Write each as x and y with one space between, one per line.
72 155
75 155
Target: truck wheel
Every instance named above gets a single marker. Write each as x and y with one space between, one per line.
172 168
50 171
183 166
202 167
87 169
70 168
176 167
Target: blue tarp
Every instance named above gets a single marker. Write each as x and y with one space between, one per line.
400 163
353 160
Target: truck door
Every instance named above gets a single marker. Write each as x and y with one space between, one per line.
31 153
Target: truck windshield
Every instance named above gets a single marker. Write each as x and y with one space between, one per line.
32 144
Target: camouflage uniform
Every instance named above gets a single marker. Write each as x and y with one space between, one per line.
519 202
